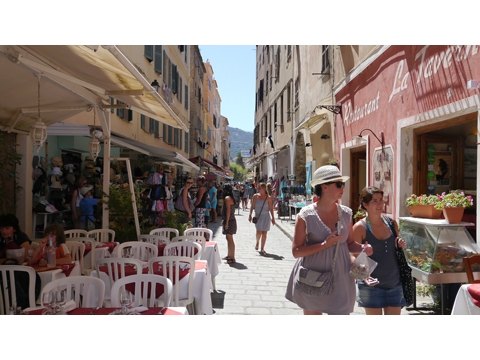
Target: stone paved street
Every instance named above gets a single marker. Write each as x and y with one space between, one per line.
255 284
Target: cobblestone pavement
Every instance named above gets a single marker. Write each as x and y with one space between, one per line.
255 284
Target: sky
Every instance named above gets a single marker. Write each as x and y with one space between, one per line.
234 70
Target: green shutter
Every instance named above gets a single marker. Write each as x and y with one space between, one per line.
148 52
158 59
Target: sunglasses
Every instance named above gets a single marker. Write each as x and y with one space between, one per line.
338 183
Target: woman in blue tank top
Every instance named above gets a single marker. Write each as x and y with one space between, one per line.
386 296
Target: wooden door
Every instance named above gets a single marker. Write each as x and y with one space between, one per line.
358 176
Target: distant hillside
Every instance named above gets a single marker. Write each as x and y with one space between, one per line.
240 139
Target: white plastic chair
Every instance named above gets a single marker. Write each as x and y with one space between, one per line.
141 250
143 283
102 235
166 232
79 289
90 257
8 294
154 239
184 248
77 249
76 233
171 266
193 238
200 232
116 267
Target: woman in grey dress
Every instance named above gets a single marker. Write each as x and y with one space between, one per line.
262 203
319 227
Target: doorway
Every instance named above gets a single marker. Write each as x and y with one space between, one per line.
358 175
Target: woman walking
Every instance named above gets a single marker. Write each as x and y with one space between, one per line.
323 232
262 203
229 223
386 296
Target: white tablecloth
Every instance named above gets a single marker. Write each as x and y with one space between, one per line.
212 256
50 275
463 302
99 253
202 285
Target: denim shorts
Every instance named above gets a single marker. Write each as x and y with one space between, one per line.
375 297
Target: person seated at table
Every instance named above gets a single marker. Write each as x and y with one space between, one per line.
63 256
11 235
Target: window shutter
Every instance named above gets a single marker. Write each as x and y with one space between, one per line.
157 129
164 132
180 89
170 135
164 67
186 97
112 102
148 52
129 115
186 142
120 111
175 137
143 124
180 139
151 126
158 59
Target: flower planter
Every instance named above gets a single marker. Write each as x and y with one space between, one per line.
425 211
453 215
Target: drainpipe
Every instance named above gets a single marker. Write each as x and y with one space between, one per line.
134 71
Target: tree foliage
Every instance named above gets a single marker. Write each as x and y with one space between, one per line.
239 160
239 172
9 188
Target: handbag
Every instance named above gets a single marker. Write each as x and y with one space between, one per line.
311 282
255 219
179 203
404 270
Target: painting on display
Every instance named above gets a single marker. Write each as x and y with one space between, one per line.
383 175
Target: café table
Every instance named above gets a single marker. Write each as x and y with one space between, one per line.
467 301
106 311
102 250
202 285
60 271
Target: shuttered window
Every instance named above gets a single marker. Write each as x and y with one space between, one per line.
148 52
143 122
158 59
186 97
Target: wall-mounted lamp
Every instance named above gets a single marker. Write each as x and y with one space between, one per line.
382 141
325 137
472 85
155 85
336 109
308 145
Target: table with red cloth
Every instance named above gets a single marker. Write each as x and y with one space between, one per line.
211 255
107 311
202 284
60 271
467 301
102 249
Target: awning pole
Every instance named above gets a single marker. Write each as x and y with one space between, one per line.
132 191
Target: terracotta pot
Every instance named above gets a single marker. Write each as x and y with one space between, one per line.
453 215
425 211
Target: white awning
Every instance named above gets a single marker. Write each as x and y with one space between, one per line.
168 155
73 78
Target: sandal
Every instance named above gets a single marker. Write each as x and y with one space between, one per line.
226 258
263 252
231 260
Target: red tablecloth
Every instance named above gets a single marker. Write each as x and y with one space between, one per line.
110 245
106 311
66 269
130 270
474 291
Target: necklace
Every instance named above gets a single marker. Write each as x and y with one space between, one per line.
369 225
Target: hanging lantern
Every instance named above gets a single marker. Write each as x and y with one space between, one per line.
39 130
94 147
38 135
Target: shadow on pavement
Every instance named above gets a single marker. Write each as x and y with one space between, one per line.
273 256
238 266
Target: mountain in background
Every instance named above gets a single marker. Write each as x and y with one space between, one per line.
240 140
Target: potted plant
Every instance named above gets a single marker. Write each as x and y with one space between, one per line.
453 205
172 219
359 215
423 206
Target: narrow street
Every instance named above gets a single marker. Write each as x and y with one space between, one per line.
255 284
